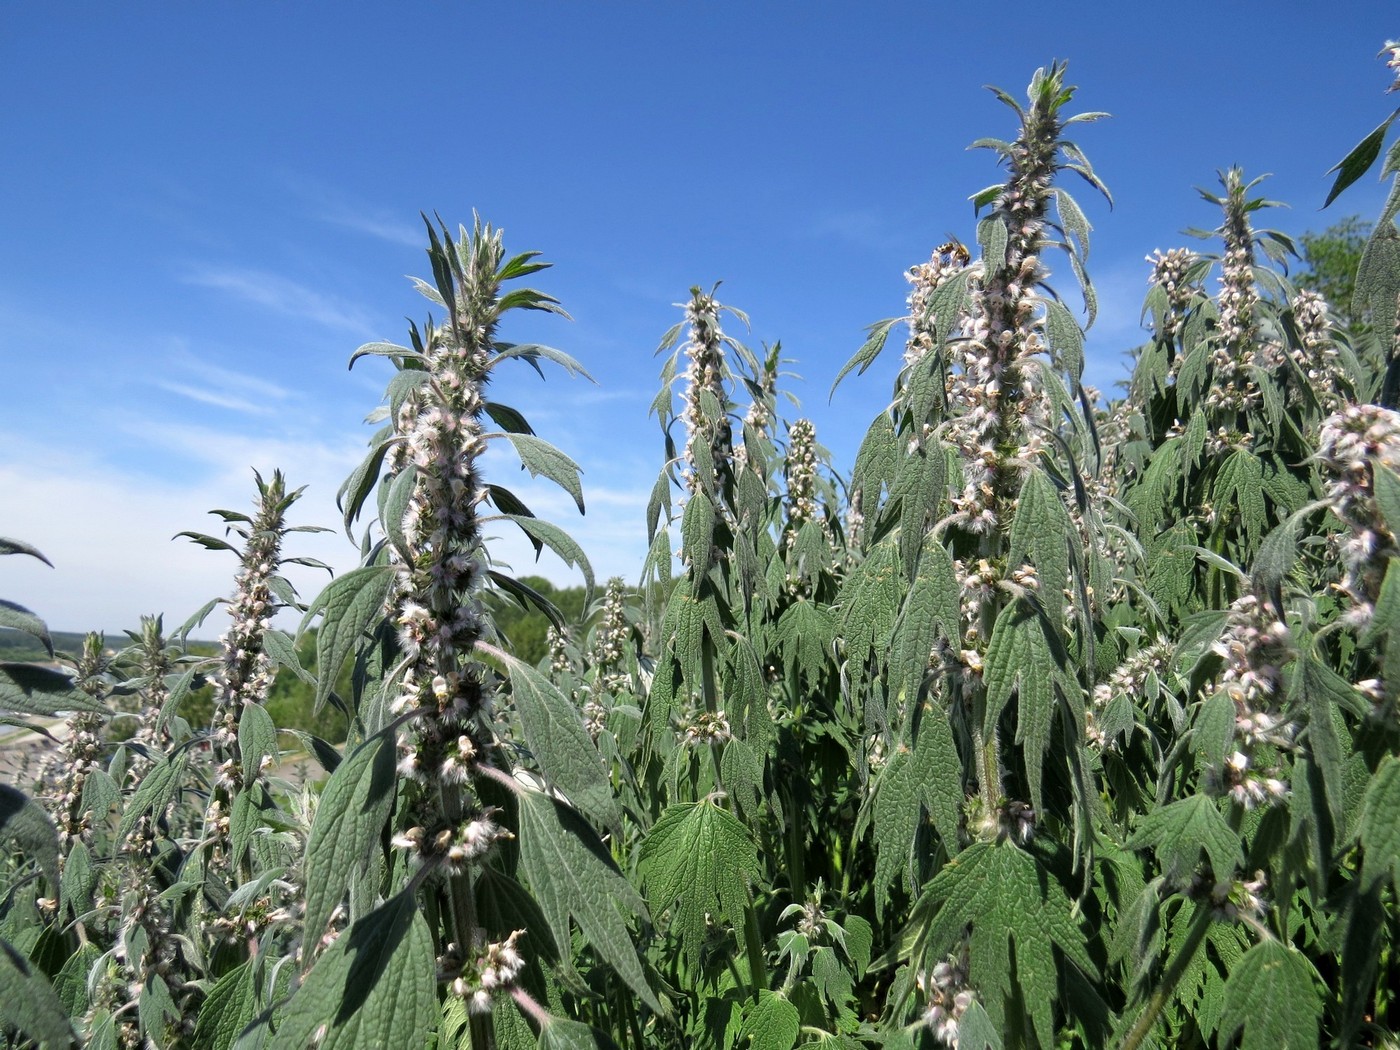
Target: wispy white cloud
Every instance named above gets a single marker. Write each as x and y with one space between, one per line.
863 227
206 396
371 224
284 296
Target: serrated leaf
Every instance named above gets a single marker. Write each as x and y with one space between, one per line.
375 987
1180 832
1239 489
698 862
805 633
79 879
33 690
28 1002
1041 532
541 458
869 602
228 1009
384 350
1362 156
863 358
350 604
1272 993
1379 828
100 794
24 820
931 609
545 533
1008 899
771 1023
155 791
573 876
976 1031
532 352
71 984
557 739
1025 658
354 806
1066 338
394 501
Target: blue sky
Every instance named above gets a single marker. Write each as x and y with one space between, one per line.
205 208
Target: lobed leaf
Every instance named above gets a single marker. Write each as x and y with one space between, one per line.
350 605
1272 993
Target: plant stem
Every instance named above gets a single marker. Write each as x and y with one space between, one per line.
1200 925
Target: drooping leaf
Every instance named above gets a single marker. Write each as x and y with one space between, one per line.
1008 899
350 604
806 632
28 1002
229 1008
544 533
931 610
878 333
561 1034
9 546
25 822
1239 491
18 618
1272 993
257 738
539 457
1359 160
557 739
869 603
354 806
1379 830
1041 532
698 862
1026 659
573 876
34 690
375 987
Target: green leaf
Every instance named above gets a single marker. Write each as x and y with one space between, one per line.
573 875
1359 160
384 350
1379 829
1239 490
559 1034
543 533
1041 532
1008 899
534 352
1179 832
869 602
24 820
1066 338
354 806
976 1031
557 739
771 1024
18 618
9 546
357 487
394 500
79 879
1025 658
932 609
155 791
1272 993
71 984
870 349
539 457
806 632
28 1002
229 1008
698 862
282 652
257 738
375 987
33 690
351 604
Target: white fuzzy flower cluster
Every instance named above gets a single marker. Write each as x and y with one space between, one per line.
800 469
458 847
1352 443
1318 357
926 279
706 728
495 967
1391 51
64 772
1234 899
1256 645
609 652
1233 388
704 379
558 643
1128 679
1170 270
949 995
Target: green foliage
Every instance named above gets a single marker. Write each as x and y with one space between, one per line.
1054 723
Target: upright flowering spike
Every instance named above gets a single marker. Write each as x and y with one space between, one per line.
708 438
1172 272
